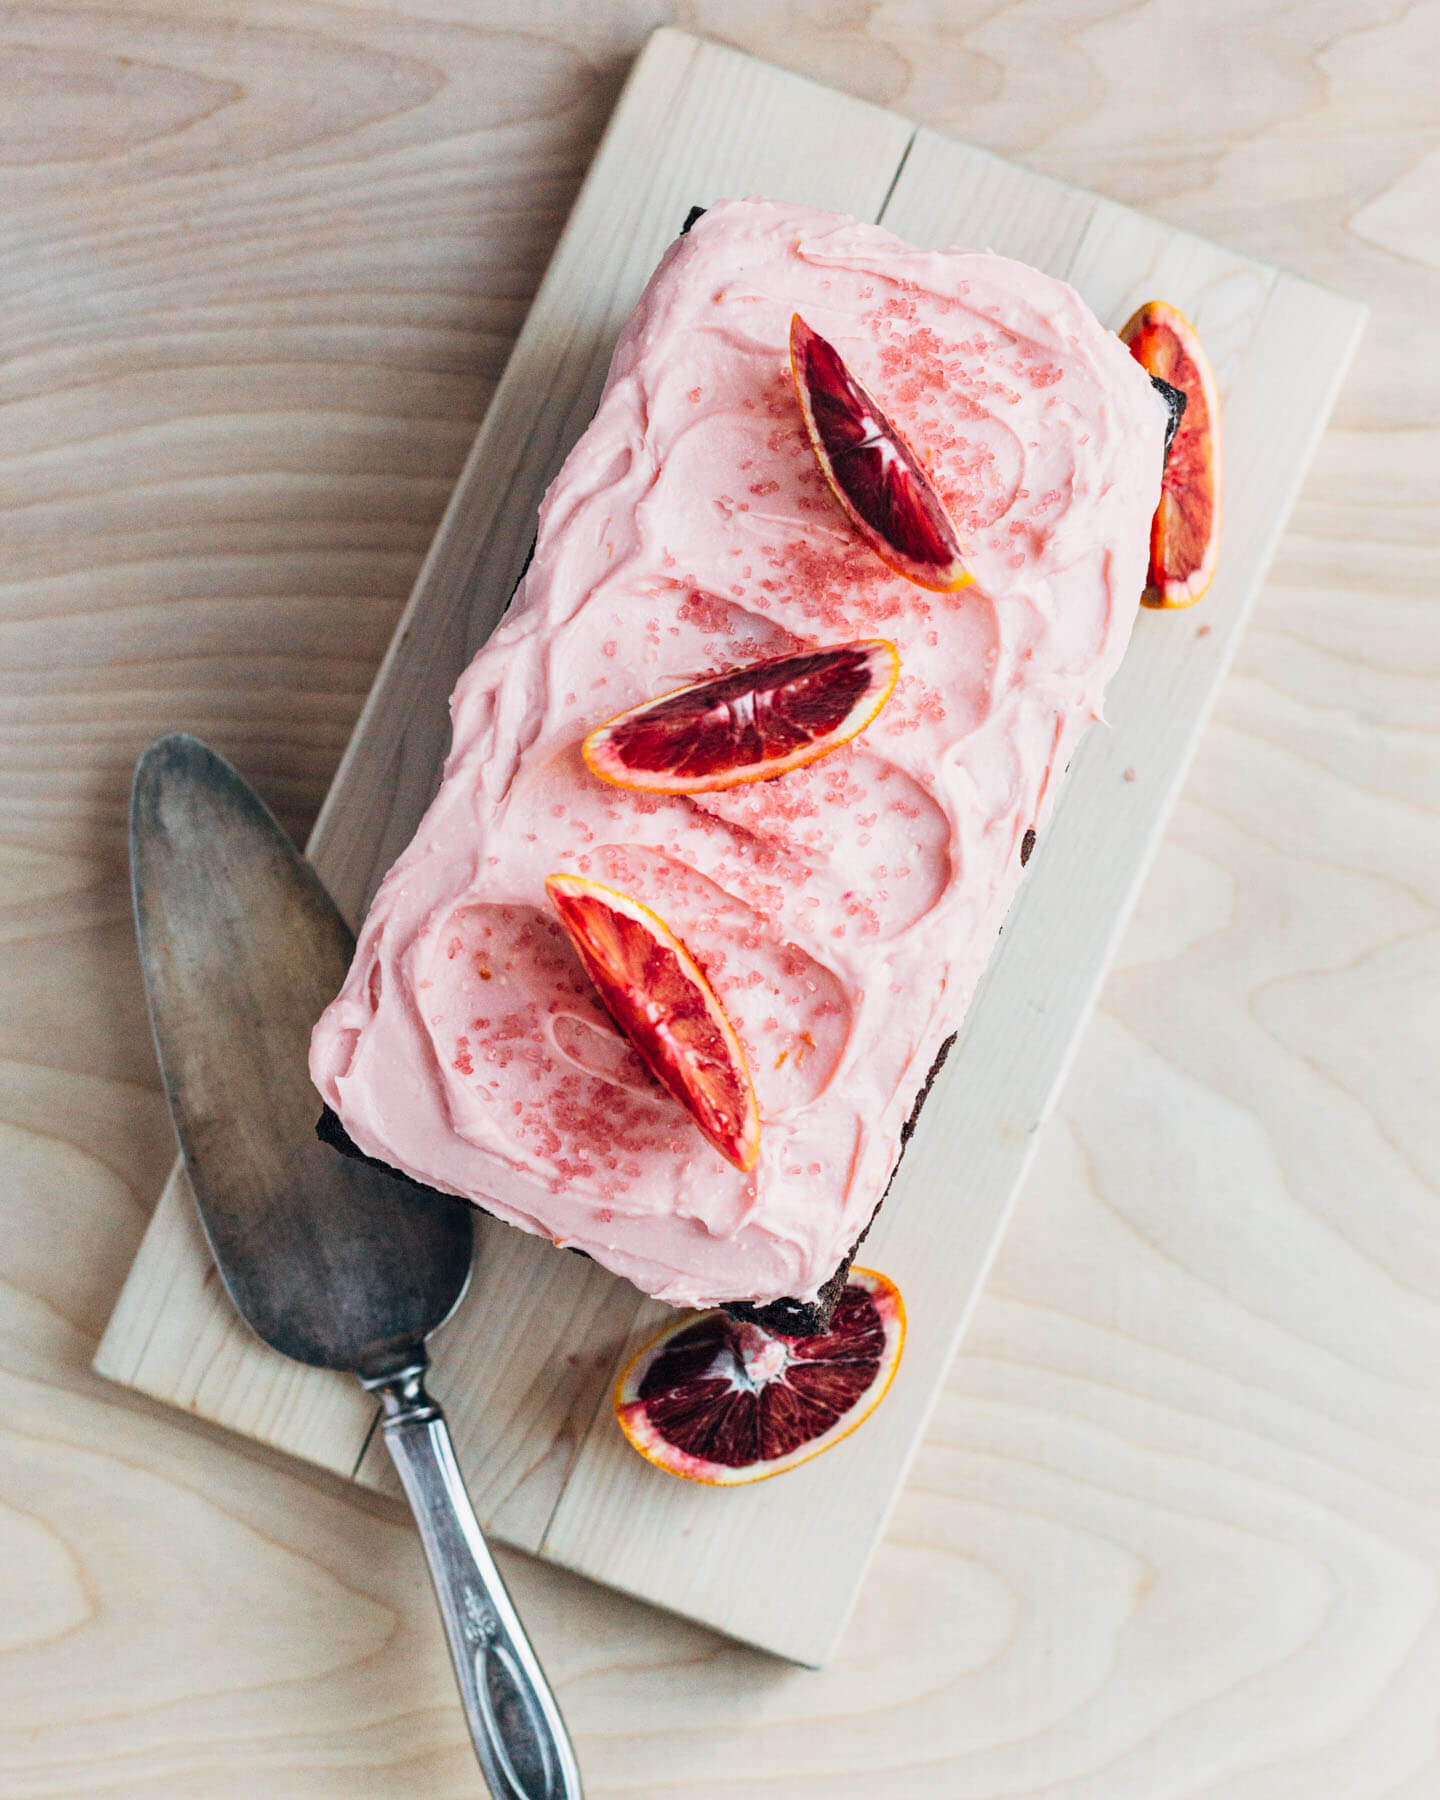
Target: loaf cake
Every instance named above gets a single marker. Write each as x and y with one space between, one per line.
842 912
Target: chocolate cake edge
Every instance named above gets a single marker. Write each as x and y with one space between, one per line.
809 1318
789 1317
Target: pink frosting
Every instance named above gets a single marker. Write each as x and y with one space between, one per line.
844 912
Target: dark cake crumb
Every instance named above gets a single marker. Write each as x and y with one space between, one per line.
809 1318
1173 397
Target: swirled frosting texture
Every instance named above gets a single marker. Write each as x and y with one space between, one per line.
844 912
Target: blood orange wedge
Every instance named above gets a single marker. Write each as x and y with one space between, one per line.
659 997
1185 532
749 725
725 1403
872 471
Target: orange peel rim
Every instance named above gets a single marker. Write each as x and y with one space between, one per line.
796 760
1159 599
872 538
783 1465
658 929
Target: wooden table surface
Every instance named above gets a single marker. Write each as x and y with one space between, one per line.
1175 1531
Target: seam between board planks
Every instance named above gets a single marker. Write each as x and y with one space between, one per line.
601 1415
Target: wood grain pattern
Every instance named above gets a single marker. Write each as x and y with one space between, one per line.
534 1352
1172 1528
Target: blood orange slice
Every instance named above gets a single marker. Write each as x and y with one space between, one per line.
872 471
724 1403
1185 532
750 725
659 997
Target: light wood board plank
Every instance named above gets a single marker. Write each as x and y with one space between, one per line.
947 1211
527 1368
186 1326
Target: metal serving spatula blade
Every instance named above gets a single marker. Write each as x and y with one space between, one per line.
329 1261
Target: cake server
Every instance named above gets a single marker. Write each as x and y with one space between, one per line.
330 1261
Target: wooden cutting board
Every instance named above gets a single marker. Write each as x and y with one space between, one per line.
527 1366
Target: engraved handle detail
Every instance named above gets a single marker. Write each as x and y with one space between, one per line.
515 1725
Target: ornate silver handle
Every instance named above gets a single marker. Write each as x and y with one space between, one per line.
515 1724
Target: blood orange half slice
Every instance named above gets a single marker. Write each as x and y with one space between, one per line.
872 471
1185 532
724 1403
659 997
750 725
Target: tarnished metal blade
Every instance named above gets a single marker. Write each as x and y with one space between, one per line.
328 1260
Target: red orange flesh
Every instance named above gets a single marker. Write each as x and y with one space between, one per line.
748 725
879 481
724 1403
1185 532
658 995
